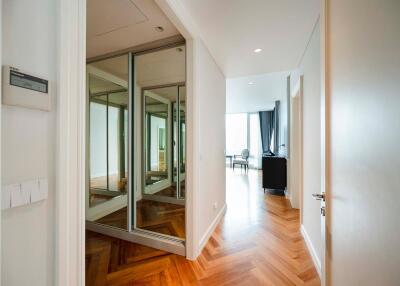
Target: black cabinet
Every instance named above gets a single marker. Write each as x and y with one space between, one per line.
274 174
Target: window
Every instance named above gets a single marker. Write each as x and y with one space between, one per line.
243 132
255 141
236 133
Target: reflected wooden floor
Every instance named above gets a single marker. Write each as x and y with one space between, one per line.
257 243
155 216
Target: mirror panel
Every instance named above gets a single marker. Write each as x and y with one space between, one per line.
159 206
182 141
156 144
108 142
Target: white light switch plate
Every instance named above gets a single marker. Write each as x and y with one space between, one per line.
29 189
16 195
43 188
35 191
24 193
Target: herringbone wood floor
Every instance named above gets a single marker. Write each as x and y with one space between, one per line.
257 243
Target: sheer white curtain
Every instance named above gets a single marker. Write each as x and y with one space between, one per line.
236 133
243 132
255 141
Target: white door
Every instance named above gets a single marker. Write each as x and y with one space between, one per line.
363 225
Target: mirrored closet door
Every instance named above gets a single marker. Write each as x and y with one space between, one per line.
160 200
136 147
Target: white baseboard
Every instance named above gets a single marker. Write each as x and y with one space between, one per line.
101 210
210 230
311 249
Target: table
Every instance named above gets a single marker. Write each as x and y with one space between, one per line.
230 157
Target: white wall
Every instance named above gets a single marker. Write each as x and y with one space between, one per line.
310 68
28 141
364 80
210 137
206 87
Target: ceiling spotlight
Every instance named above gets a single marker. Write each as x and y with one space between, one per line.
159 29
251 83
257 50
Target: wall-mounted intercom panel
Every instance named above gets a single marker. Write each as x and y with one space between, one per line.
26 90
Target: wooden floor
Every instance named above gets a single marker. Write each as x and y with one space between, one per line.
257 243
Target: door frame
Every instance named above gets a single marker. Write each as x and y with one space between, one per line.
71 136
166 182
296 151
70 201
71 144
325 141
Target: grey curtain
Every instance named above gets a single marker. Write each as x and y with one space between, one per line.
266 128
276 126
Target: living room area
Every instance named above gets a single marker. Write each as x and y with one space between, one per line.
256 125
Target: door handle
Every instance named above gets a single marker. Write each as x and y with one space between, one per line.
319 197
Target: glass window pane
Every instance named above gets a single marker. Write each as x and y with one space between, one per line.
236 133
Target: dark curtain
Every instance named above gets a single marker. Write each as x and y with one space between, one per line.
277 142
266 128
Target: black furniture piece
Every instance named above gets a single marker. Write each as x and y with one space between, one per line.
274 174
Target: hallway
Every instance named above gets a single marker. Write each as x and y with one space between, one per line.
257 243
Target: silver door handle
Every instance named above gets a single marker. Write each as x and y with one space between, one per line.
319 197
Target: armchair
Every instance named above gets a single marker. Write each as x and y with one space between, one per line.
242 160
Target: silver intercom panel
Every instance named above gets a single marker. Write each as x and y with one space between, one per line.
25 90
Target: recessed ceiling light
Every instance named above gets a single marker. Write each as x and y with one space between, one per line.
251 83
159 29
257 50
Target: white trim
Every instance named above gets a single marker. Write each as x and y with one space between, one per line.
156 187
1 102
141 236
101 210
182 20
106 76
325 131
211 228
296 90
311 249
70 204
295 163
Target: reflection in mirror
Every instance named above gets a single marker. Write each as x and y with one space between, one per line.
182 144
157 145
160 204
108 142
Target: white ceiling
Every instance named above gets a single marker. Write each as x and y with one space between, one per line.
242 97
232 29
152 69
121 24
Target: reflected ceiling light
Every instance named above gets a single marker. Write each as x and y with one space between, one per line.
257 50
251 83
